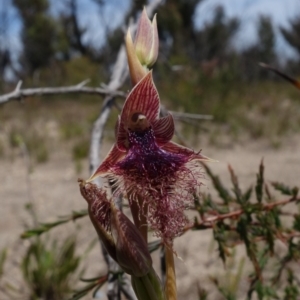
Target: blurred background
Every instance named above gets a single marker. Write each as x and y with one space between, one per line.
209 52
208 64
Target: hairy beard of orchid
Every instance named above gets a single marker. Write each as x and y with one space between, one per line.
146 165
165 181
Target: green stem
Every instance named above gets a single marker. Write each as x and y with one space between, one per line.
148 287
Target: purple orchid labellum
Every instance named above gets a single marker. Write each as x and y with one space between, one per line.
145 164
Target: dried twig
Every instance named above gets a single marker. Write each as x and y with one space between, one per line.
210 221
182 115
19 93
118 77
284 238
293 81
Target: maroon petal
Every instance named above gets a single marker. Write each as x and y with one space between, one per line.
113 156
163 129
175 148
146 40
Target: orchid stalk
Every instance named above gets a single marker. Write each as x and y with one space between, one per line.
157 176
141 54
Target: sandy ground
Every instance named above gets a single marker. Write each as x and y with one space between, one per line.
54 192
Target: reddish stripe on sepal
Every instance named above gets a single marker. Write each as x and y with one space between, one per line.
144 99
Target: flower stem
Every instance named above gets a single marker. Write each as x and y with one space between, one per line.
170 285
139 215
148 287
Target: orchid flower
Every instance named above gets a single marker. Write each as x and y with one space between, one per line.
145 164
158 177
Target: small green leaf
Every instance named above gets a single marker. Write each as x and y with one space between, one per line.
223 192
236 188
260 183
3 255
296 224
44 227
285 190
247 194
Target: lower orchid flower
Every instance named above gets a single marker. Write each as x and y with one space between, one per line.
119 235
123 242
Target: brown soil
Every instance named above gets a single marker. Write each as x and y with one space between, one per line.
53 190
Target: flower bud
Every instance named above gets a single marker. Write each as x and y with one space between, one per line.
146 40
143 52
136 70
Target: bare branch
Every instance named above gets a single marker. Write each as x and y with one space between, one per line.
182 115
293 81
151 7
83 83
19 93
18 87
118 77
210 221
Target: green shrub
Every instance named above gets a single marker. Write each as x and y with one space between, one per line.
49 268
